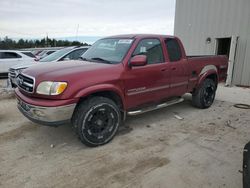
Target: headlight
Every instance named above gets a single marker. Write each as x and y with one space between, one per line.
18 71
51 88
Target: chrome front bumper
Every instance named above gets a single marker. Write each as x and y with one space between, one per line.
52 116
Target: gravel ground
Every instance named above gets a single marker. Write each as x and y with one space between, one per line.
3 83
153 150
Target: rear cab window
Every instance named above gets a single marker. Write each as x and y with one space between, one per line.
152 49
173 49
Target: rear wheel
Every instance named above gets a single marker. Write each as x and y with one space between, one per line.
96 121
204 96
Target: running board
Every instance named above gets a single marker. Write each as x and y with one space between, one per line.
159 106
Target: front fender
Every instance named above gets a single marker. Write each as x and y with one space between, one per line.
100 88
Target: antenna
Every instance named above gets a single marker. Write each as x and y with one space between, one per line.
46 40
77 32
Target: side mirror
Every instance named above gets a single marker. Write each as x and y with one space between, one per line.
138 60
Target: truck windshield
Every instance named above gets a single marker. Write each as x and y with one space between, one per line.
109 50
54 56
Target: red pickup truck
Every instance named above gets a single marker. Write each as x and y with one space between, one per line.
118 76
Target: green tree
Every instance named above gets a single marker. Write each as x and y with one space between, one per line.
7 43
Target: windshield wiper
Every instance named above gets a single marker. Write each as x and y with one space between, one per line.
101 59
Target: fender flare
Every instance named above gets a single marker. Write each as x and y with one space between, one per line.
101 88
205 72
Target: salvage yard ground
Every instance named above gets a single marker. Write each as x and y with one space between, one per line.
153 150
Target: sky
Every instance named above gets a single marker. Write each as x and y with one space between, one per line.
76 19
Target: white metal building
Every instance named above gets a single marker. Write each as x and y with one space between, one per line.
209 27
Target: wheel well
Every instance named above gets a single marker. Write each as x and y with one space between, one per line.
212 77
108 94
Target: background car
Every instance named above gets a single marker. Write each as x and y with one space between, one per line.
246 166
10 58
65 54
44 54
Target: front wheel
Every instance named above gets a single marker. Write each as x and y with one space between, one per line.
204 96
96 121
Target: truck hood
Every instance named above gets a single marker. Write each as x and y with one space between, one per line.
24 65
65 71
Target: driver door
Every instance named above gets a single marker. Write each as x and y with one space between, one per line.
149 83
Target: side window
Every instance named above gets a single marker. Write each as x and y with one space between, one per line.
9 55
1 55
152 49
29 54
174 50
50 52
75 54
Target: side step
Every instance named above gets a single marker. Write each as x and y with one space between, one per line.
151 108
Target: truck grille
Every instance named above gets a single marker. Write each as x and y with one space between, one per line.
12 73
26 83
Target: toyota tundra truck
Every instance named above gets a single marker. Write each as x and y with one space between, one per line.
118 76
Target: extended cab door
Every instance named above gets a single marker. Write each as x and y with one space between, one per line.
178 67
148 83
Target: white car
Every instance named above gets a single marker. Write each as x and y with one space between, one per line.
9 58
65 54
44 54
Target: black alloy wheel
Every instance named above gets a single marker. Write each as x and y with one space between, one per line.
203 97
96 121
209 94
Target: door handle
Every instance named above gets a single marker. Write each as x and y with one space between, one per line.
173 68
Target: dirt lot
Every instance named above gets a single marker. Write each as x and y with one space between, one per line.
154 150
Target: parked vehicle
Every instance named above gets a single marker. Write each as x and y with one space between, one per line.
246 166
9 58
70 53
44 54
37 51
28 53
118 76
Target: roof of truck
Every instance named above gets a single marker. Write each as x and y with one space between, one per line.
139 36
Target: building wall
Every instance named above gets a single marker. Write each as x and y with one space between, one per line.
196 20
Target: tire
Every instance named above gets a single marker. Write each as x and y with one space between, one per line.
96 121
246 166
204 96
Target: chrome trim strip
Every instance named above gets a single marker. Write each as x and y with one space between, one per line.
147 90
34 83
179 84
27 84
193 79
142 90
